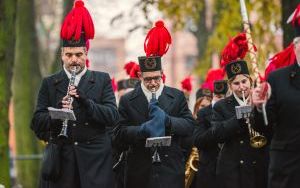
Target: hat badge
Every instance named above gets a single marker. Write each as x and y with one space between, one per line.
236 68
219 87
150 63
206 92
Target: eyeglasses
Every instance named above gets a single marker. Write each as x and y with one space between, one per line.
149 79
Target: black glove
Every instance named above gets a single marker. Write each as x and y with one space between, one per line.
156 126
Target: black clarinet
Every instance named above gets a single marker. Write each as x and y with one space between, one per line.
63 132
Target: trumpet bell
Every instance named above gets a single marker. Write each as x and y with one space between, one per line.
194 163
258 141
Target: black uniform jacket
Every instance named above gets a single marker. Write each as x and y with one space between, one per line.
86 154
239 165
140 172
283 110
208 150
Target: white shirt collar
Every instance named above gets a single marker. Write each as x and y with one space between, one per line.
241 102
148 93
78 76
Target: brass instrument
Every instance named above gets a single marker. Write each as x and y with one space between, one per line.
63 132
256 139
191 167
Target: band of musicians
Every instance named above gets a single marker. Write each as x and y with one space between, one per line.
242 131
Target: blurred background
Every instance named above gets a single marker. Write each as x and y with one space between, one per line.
30 50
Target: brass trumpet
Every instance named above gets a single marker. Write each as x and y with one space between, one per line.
256 139
191 167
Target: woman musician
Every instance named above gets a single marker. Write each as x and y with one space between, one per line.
243 157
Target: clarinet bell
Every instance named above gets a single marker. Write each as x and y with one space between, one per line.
156 157
63 132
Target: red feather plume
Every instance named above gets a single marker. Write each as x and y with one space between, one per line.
236 48
158 40
211 76
76 21
215 74
186 84
128 66
282 59
134 71
206 85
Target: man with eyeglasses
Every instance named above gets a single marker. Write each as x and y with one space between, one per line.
144 115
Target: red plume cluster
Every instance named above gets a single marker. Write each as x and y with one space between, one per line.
186 84
128 66
284 58
206 85
77 21
213 75
132 69
158 40
236 48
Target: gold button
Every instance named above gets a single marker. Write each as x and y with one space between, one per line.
241 162
241 142
75 143
74 124
86 123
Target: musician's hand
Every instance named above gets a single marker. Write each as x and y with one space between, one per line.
73 92
156 113
66 103
260 95
79 95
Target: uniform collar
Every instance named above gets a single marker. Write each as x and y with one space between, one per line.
240 101
148 93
